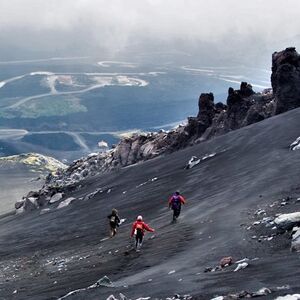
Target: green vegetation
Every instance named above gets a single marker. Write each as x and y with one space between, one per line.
45 107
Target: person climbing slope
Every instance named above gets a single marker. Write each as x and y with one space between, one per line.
175 203
114 222
138 230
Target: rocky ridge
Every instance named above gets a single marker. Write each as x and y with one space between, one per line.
36 162
243 107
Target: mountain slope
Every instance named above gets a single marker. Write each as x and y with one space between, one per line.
21 173
54 253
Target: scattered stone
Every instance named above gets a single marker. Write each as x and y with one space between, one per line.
19 204
260 212
56 198
111 297
256 223
104 281
226 261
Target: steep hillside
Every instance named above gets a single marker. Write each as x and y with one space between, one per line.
243 107
46 254
21 173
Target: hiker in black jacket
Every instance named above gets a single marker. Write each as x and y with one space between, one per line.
114 222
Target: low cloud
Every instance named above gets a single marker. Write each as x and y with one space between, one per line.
111 27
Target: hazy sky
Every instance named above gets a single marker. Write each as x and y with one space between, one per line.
113 27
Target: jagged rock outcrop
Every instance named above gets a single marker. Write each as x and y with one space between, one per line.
37 163
243 107
286 79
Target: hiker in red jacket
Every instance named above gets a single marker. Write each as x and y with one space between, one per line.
175 203
138 230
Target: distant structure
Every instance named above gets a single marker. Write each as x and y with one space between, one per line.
103 146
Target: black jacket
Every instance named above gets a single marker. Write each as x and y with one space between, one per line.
114 220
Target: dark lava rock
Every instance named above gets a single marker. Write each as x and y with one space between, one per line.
286 79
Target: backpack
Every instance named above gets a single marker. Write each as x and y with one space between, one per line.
139 229
176 203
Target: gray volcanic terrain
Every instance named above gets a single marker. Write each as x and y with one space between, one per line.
47 254
21 173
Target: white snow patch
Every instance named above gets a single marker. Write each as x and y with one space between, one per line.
241 266
242 260
195 160
289 297
122 221
65 202
296 144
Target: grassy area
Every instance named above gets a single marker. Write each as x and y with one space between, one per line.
45 107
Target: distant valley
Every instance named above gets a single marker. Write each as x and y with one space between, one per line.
64 107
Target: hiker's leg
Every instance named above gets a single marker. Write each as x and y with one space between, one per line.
111 233
174 214
139 237
114 230
141 240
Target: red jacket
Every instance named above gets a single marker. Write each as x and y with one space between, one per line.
140 225
181 199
